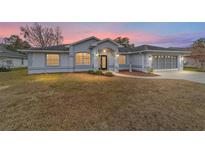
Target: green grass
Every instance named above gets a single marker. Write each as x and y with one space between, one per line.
193 69
81 101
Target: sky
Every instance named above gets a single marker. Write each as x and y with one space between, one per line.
165 34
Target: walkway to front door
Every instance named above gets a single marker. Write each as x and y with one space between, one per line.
103 62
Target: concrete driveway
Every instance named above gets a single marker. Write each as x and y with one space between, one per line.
184 75
178 75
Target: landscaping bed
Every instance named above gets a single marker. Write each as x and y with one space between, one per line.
138 73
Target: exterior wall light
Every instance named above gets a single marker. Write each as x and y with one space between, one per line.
104 50
182 58
97 54
150 58
117 55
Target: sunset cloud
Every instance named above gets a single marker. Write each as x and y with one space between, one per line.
163 34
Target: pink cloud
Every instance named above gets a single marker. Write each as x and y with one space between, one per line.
76 31
7 29
133 36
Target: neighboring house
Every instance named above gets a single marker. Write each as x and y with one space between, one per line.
12 59
194 60
93 53
191 62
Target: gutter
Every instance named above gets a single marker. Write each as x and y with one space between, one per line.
43 51
156 51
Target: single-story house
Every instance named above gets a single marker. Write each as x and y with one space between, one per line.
93 53
12 59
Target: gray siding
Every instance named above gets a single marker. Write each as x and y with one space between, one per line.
81 68
38 60
137 61
38 64
84 46
127 65
108 45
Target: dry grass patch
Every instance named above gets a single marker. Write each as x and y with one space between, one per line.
79 101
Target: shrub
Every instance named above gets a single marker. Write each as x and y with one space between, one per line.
4 69
150 70
98 72
108 74
91 71
201 69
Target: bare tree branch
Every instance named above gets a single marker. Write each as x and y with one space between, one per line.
39 36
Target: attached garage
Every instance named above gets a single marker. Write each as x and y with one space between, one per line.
164 62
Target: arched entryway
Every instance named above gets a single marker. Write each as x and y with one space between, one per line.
106 59
106 55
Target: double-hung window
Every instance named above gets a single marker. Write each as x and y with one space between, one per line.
52 59
122 59
82 58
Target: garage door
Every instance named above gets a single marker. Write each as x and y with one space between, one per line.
164 62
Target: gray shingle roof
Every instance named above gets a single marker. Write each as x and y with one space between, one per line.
145 48
125 49
86 39
150 47
105 40
11 54
62 47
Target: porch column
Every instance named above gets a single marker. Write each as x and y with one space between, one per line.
116 62
95 58
149 60
72 57
143 62
180 62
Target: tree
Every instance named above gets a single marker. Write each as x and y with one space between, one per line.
200 43
198 53
58 36
124 41
41 36
14 42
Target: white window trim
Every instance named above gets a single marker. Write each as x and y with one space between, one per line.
125 60
83 59
47 65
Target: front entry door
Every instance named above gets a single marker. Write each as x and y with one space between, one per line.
103 61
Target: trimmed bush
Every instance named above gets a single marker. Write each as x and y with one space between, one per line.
96 72
91 71
108 74
150 70
99 72
201 69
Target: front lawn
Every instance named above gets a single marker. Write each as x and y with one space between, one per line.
194 69
80 101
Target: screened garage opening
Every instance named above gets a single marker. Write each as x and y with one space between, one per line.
164 62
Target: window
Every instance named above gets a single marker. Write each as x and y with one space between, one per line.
122 59
52 59
82 58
